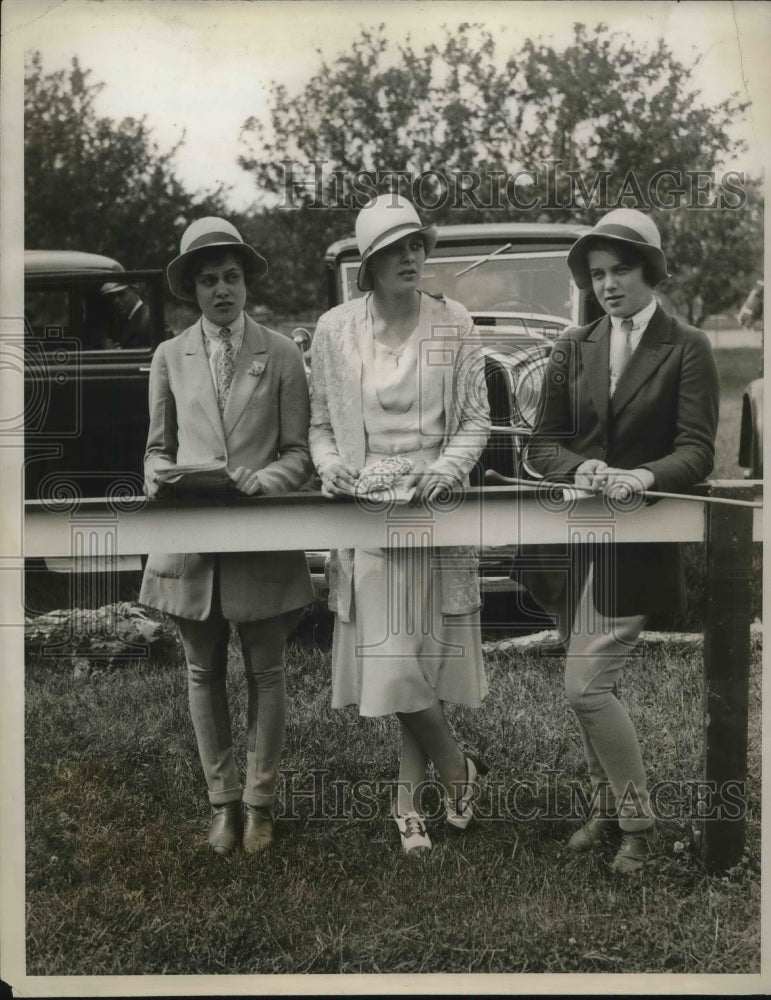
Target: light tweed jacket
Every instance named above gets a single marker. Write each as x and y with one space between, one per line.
337 423
265 428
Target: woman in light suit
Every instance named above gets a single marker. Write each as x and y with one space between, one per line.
398 376
228 389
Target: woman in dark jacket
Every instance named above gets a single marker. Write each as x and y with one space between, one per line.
631 404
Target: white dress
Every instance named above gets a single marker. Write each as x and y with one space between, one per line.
400 653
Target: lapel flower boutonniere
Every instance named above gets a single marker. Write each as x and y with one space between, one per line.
256 368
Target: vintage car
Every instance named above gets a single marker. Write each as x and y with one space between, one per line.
85 383
90 329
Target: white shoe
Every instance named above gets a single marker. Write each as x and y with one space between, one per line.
412 830
459 811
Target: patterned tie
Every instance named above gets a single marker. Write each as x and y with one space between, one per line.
621 354
225 366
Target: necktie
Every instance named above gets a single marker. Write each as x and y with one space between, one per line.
622 353
225 367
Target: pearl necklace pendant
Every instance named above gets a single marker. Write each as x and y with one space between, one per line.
396 353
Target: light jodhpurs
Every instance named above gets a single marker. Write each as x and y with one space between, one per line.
597 648
206 651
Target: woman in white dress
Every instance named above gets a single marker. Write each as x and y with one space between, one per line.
398 375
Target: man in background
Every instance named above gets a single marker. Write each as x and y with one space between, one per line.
132 326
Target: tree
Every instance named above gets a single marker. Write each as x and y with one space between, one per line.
293 243
380 108
714 257
95 184
632 122
542 134
603 109
373 109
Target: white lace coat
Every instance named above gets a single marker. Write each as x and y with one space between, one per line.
337 424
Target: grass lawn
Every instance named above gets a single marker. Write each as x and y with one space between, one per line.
119 880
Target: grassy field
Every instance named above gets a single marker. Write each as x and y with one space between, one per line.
119 880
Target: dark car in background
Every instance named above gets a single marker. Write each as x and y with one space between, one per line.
85 396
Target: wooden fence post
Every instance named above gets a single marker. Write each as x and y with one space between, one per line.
726 678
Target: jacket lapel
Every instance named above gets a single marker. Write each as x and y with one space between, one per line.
198 380
595 362
244 384
654 346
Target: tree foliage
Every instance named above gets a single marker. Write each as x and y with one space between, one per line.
95 184
495 132
389 108
294 244
598 124
606 109
714 256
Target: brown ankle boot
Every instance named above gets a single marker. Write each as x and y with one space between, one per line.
635 850
258 828
225 828
596 831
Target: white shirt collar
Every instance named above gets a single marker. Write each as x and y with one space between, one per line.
640 319
213 331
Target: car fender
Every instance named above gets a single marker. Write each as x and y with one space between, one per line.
751 433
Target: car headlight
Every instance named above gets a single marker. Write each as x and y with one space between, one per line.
528 391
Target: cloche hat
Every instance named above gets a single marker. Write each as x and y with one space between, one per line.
622 225
203 234
382 222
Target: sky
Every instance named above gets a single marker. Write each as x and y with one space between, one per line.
200 68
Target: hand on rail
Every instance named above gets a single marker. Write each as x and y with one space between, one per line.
429 485
338 479
622 484
246 480
618 484
589 474
497 479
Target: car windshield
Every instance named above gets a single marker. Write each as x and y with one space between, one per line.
532 284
